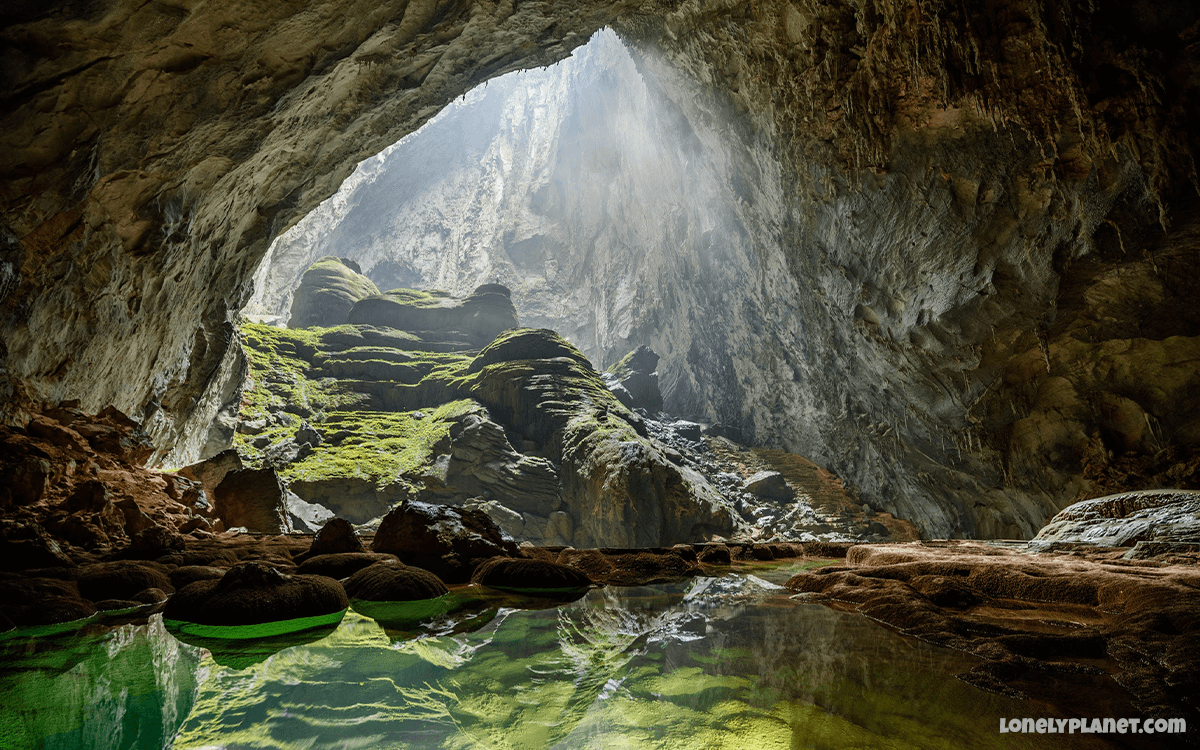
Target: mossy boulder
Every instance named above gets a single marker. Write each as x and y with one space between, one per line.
328 290
254 592
481 316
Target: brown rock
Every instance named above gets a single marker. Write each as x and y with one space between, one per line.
122 579
448 541
529 576
254 499
392 581
252 593
30 602
341 564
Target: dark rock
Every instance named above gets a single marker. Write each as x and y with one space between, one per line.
714 554
770 485
31 602
24 546
211 472
255 499
328 291
218 558
527 576
448 541
393 581
308 434
187 574
337 535
254 592
341 564
631 567
636 373
121 579
687 430
154 542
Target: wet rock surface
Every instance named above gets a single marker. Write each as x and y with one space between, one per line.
529 575
1028 613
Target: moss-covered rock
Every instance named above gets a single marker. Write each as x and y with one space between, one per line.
328 290
481 316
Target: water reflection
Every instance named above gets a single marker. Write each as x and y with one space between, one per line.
711 663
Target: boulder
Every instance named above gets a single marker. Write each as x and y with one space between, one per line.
337 535
769 485
187 574
529 576
255 499
341 564
31 602
631 567
392 581
252 593
122 579
328 291
1124 519
448 541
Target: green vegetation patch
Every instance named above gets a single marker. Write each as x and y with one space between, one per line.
418 297
386 448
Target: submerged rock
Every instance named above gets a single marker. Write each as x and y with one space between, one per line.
255 592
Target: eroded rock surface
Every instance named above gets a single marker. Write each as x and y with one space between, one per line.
1124 520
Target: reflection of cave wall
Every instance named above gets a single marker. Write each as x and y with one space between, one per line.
912 316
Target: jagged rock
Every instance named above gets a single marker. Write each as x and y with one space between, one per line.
636 373
393 581
328 290
254 499
254 592
306 517
26 545
1126 519
308 434
770 485
212 471
447 541
482 462
529 576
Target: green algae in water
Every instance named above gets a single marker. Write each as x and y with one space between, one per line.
710 663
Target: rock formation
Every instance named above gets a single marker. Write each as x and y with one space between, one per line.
936 195
327 292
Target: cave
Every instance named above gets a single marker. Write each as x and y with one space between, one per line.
941 257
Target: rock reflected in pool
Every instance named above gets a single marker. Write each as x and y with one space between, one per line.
708 663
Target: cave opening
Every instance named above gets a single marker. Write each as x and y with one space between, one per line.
583 187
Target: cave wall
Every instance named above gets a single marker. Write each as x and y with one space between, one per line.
955 179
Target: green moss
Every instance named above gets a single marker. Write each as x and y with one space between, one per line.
418 297
385 448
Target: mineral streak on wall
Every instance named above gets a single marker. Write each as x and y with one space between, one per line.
970 275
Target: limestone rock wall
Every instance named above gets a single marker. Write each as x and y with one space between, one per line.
926 178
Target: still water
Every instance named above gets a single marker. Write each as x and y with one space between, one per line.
730 662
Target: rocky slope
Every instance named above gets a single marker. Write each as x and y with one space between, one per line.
928 188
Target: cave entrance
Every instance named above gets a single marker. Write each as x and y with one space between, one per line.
584 187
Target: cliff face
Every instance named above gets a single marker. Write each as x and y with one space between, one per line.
952 219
